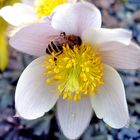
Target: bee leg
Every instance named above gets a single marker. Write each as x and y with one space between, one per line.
55 59
60 52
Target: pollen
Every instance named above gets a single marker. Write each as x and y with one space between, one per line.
45 7
76 72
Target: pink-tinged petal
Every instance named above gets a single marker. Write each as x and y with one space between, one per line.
101 35
33 39
74 117
18 14
33 97
110 103
11 30
125 57
75 18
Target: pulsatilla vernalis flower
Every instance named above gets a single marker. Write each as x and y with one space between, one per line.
75 69
29 11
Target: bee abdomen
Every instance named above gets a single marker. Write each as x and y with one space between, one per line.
48 49
53 48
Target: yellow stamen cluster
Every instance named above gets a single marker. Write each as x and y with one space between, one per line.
77 72
45 7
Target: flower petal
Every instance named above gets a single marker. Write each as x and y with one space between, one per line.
100 35
110 103
125 57
75 18
33 97
30 2
18 14
73 1
33 39
74 117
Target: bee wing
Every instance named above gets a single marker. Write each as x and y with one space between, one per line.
52 37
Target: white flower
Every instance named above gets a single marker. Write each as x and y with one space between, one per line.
28 12
75 70
19 14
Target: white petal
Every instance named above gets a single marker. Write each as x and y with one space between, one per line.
102 35
33 97
110 103
18 14
12 30
125 57
72 1
33 39
75 18
74 117
30 2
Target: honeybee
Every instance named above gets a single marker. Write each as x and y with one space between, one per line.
57 43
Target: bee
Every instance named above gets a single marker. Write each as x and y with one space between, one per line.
57 43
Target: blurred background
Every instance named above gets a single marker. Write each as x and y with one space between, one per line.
116 13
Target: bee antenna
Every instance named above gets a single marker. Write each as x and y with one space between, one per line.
63 34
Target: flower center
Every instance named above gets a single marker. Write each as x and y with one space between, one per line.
45 7
77 72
